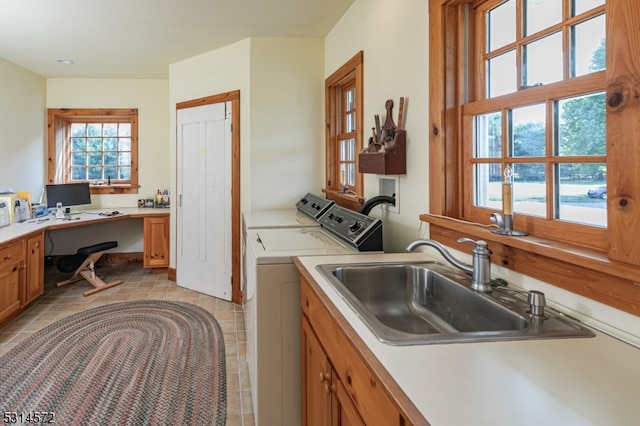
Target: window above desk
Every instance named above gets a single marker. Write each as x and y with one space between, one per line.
98 146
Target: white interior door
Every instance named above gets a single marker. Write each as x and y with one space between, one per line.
203 261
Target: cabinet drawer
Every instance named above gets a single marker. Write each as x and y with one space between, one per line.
11 252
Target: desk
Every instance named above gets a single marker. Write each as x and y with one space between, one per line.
22 251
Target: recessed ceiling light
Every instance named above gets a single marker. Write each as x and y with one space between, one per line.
65 61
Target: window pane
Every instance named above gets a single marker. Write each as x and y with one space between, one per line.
343 174
501 25
351 122
529 189
124 158
78 159
528 131
488 185
110 129
588 46
95 158
501 74
110 158
582 125
582 193
124 129
541 14
351 99
542 60
580 6
78 129
125 173
124 144
110 172
488 135
94 144
78 173
78 144
95 173
110 144
347 150
94 129
351 175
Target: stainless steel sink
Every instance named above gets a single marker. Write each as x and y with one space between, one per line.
429 302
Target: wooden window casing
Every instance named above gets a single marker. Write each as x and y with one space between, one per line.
347 78
59 147
601 264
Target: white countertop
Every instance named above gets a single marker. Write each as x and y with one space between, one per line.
577 381
87 216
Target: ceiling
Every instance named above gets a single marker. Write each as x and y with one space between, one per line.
140 38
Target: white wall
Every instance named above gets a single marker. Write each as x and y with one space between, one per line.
24 125
287 110
394 37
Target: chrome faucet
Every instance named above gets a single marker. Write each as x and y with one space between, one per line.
480 270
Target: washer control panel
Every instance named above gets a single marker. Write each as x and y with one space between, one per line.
357 229
313 206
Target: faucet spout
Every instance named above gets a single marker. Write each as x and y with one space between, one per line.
443 251
480 270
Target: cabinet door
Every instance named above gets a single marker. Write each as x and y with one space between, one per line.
10 279
34 282
156 242
343 411
316 380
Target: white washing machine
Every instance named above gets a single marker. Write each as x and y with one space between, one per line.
305 214
272 304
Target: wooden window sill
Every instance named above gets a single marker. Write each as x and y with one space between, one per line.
345 199
580 270
114 189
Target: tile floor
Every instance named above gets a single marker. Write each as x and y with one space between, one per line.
140 283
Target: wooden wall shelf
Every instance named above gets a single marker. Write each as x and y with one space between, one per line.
389 162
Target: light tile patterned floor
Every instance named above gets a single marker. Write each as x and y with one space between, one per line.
140 283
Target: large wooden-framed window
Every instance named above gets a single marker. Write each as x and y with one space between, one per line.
538 110
344 112
99 146
514 86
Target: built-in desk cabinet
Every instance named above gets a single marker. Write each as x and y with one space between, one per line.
156 242
11 277
34 283
338 387
21 274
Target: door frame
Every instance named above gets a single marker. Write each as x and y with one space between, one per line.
234 98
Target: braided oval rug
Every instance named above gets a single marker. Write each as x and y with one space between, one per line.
148 362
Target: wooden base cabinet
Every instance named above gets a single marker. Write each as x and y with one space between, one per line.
12 278
338 386
325 399
21 274
156 242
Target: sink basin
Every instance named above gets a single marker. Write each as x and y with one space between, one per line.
429 302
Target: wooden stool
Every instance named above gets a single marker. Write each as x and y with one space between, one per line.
83 262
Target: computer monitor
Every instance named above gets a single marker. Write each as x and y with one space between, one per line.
69 194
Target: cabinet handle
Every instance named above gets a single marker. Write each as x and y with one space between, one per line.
329 389
324 377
